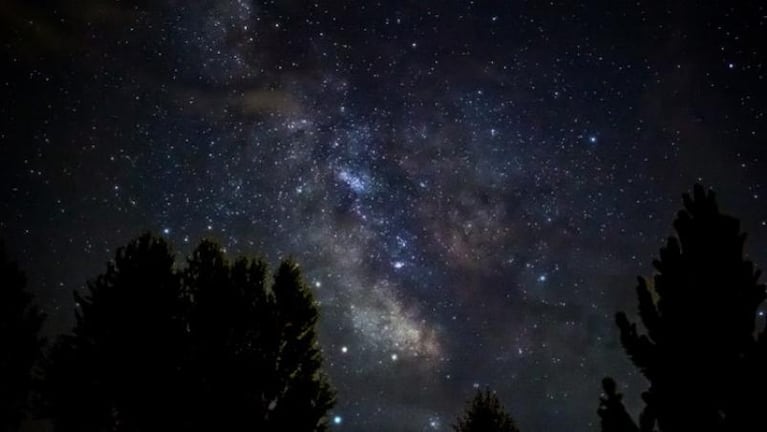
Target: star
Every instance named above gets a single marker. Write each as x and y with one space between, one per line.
430 168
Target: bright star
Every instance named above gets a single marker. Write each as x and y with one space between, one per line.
337 420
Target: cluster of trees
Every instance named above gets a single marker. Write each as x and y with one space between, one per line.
215 346
211 346
701 353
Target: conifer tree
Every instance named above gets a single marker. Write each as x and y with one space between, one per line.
484 413
20 344
700 354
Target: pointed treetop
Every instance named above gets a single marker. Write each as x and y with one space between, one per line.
484 413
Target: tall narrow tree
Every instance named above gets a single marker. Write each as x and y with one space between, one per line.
700 354
303 393
20 343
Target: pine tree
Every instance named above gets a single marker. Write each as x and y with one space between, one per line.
484 413
700 354
20 344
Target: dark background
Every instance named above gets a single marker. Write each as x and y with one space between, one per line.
471 187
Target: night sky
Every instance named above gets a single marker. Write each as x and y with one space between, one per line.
471 187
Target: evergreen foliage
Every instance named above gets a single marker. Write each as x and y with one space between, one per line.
700 353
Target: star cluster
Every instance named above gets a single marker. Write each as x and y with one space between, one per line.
470 187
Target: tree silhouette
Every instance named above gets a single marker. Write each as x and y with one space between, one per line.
303 394
255 364
208 347
612 412
119 370
700 354
484 413
214 319
20 345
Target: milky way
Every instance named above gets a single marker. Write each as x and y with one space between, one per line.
470 187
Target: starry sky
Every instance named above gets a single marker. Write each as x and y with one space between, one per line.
471 187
